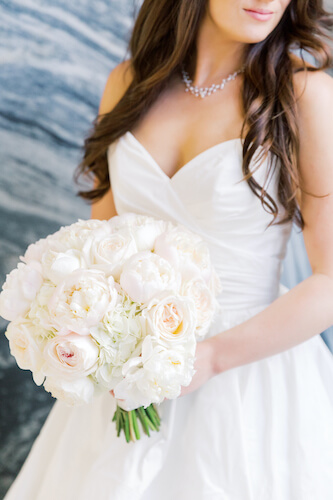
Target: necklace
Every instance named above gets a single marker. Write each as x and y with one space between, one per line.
204 91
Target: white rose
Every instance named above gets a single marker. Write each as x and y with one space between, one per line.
81 300
185 251
146 274
19 290
73 393
70 357
108 251
171 319
205 303
26 348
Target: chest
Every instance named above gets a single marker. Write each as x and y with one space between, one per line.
178 126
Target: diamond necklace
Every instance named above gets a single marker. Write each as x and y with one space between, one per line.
204 91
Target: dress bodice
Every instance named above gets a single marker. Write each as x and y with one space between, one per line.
208 196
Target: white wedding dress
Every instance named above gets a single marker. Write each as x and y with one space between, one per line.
261 431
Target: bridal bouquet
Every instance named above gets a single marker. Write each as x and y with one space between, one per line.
113 305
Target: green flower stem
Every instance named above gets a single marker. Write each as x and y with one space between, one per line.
127 431
118 421
131 427
143 419
150 422
135 424
152 415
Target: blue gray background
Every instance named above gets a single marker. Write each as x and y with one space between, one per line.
55 57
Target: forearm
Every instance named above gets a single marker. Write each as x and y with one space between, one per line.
303 312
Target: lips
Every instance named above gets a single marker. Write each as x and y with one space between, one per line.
260 11
259 14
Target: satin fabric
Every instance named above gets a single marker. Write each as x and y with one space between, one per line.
262 431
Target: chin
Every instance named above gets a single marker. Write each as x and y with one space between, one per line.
254 34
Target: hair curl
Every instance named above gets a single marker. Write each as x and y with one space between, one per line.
164 38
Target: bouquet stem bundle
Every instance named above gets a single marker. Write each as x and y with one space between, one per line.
128 421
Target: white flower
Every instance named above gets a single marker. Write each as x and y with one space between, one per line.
205 303
74 235
19 290
73 393
58 265
35 251
171 319
70 357
159 373
146 274
39 314
108 251
26 347
81 300
185 251
144 228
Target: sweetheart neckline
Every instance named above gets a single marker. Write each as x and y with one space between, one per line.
187 164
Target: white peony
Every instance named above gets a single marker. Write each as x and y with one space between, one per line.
146 274
172 320
145 229
26 347
71 356
35 251
81 300
185 251
159 373
19 290
73 393
57 265
73 237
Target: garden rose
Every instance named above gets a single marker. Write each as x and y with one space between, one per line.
171 319
71 356
108 251
205 303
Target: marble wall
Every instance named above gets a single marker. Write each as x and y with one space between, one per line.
54 58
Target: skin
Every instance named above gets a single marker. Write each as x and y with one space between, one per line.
179 126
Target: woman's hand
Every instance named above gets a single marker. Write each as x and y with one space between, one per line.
203 365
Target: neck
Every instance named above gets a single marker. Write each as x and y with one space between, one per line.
217 56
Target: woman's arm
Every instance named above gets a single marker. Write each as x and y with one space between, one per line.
116 85
307 309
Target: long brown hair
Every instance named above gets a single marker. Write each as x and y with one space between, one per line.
164 38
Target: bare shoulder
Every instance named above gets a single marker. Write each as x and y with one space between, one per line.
116 85
310 85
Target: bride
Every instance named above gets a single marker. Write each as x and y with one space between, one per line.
216 122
